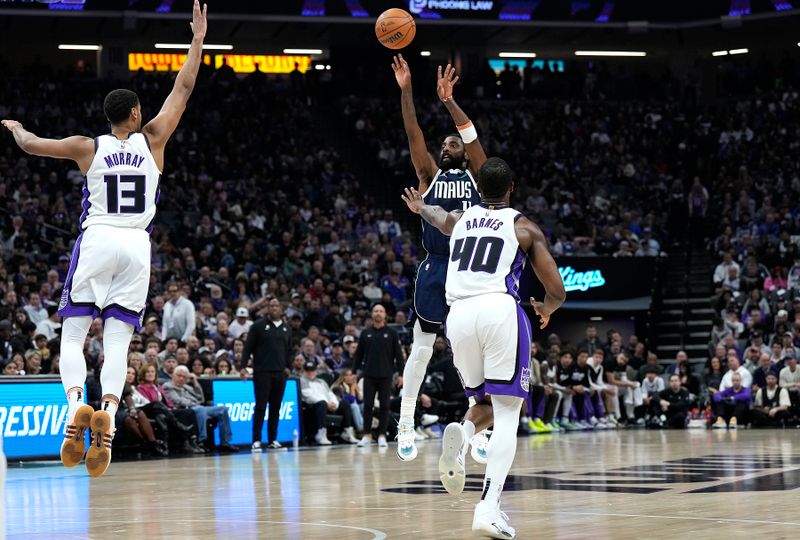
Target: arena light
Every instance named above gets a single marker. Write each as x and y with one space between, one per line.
319 67
424 53
738 51
610 53
719 53
68 47
302 51
517 55
206 46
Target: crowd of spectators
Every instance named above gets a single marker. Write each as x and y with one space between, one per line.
278 214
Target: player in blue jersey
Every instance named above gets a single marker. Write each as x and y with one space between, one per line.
448 182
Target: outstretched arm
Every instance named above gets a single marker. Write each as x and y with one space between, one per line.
435 215
532 240
161 128
444 88
78 149
424 164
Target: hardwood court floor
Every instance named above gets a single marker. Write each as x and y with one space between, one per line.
616 485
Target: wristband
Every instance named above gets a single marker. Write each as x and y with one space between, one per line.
468 132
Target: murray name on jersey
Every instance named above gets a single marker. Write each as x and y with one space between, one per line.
127 159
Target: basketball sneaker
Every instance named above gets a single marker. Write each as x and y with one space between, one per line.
568 426
480 447
274 445
382 441
555 426
538 426
256 447
98 458
733 424
490 521
73 448
719 424
366 440
451 463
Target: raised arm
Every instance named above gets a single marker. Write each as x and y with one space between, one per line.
423 162
161 128
78 149
532 241
435 215
446 80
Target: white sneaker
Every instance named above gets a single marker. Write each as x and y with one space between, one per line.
274 445
349 436
451 463
382 441
419 435
593 421
406 438
601 424
256 446
366 440
480 447
429 419
490 521
322 437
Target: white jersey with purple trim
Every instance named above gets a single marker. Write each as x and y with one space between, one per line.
121 188
484 254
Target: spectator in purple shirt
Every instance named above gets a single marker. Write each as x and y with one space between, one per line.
732 404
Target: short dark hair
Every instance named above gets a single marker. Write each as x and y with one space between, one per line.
495 178
118 104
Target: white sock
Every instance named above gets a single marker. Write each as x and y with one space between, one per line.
469 428
502 446
414 371
116 339
110 407
73 363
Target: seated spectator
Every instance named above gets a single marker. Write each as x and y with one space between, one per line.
689 380
790 380
222 366
336 359
722 270
320 400
241 324
732 404
734 367
751 359
33 363
178 425
36 312
185 392
713 376
134 420
765 365
777 280
167 369
651 363
197 367
772 404
670 408
50 327
11 368
629 391
652 385
347 385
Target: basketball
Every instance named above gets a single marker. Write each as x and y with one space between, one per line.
395 28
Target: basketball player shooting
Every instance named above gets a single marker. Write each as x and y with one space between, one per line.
450 184
109 274
487 328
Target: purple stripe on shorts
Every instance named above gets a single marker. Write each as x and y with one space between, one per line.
71 310
520 385
124 316
65 307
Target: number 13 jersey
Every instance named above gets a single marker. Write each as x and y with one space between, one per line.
121 187
485 256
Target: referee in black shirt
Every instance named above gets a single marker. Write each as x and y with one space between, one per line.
269 341
378 357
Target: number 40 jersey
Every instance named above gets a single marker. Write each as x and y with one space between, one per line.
484 254
122 184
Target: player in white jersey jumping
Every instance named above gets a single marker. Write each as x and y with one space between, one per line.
487 328
109 274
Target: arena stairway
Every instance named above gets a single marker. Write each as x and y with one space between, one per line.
684 320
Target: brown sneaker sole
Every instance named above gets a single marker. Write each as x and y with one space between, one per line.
99 455
74 446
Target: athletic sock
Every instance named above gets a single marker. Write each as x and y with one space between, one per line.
414 371
502 446
110 406
469 429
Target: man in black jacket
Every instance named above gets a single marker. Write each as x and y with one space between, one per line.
378 357
672 406
269 342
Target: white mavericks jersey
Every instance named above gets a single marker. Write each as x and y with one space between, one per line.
484 254
121 186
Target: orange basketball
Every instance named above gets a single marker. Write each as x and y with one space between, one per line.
395 28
